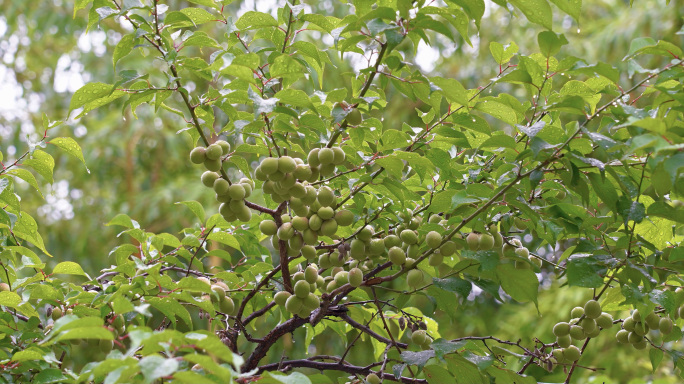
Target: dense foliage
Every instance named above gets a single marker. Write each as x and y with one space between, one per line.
366 214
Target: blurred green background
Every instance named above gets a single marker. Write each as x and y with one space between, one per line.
138 165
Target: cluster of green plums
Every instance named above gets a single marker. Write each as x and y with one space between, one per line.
211 155
286 177
637 325
219 296
586 322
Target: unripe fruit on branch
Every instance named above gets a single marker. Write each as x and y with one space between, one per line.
448 248
311 302
561 329
344 218
308 252
220 291
198 155
665 325
294 304
366 233
225 146
629 324
397 256
329 227
376 246
420 337
326 156
285 232
56 311
436 259
312 158
226 305
338 155
486 242
237 192
571 353
414 278
4 287
433 239
302 289
214 152
325 213
409 236
354 117
208 178
268 227
212 165
577 333
341 278
311 274
355 277
536 261
653 320
605 321
641 344
564 341
634 337
588 325
592 309
286 164
372 378
269 165
392 241
281 297
522 252
576 312
622 336
221 186
473 241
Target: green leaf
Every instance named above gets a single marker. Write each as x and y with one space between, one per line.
154 367
536 11
452 90
437 375
28 354
571 7
463 370
69 268
454 284
585 271
123 48
604 189
253 20
550 43
26 176
417 358
195 207
503 53
43 163
200 39
89 93
123 220
193 285
96 333
172 309
521 284
285 65
71 147
656 356
225 239
26 228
